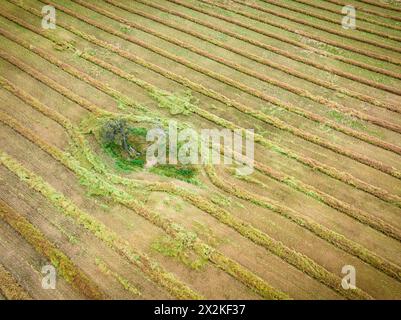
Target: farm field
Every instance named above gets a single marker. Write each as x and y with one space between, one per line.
78 196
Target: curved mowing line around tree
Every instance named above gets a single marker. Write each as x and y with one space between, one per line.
202 204
320 27
203 113
197 201
188 239
289 107
250 56
373 12
160 188
338 12
302 46
381 194
364 52
290 256
276 122
65 267
66 207
10 288
327 19
384 195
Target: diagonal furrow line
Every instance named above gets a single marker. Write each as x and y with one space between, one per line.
328 19
294 43
253 57
338 12
319 27
121 246
361 51
10 288
65 267
338 240
370 11
380 5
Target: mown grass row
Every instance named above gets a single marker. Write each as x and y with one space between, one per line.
69 271
66 207
381 5
190 240
362 18
270 99
321 27
126 284
10 288
203 113
367 10
347 178
337 44
328 19
250 56
330 236
299 45
92 179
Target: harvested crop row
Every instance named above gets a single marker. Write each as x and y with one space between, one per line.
311 36
276 122
258 285
68 208
105 269
330 236
362 18
10 288
297 44
289 107
253 57
327 19
380 5
320 27
363 9
65 267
